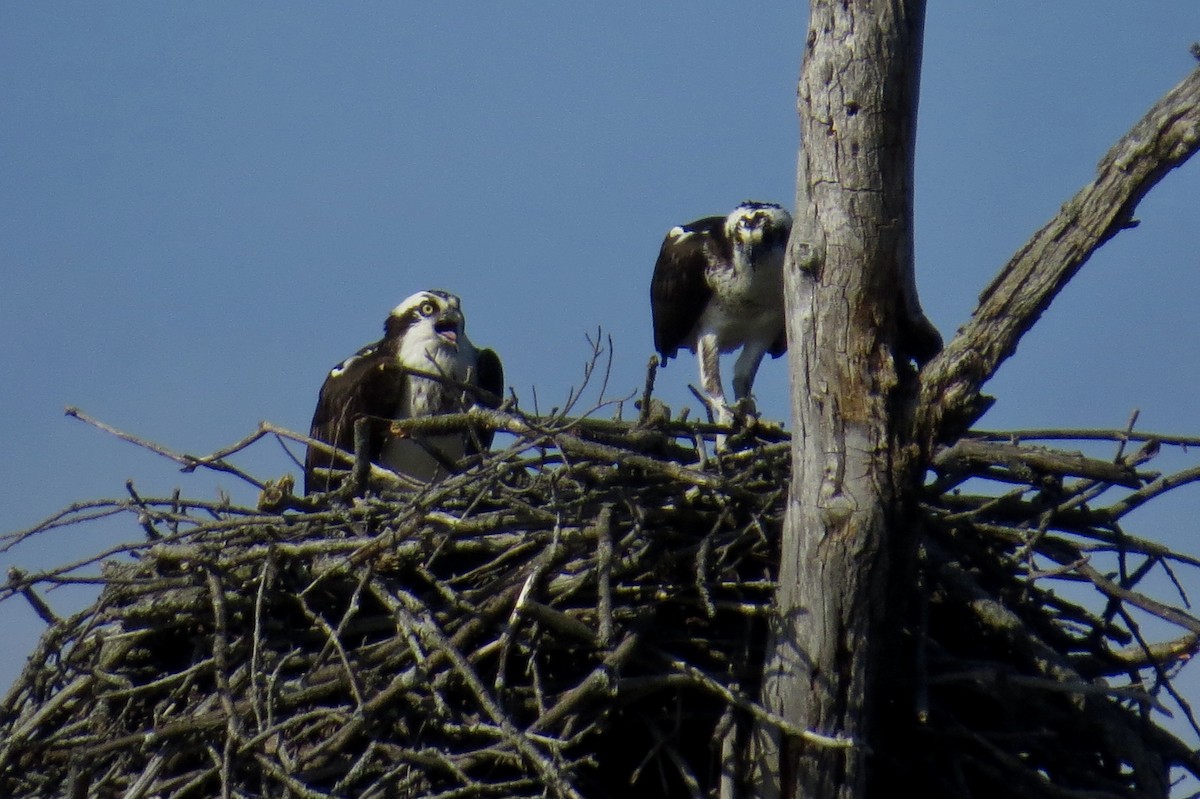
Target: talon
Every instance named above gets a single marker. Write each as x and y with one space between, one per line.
745 410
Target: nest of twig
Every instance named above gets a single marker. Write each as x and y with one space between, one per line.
581 614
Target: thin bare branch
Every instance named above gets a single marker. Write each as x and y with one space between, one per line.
455 640
950 384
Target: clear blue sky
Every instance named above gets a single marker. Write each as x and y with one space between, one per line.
204 206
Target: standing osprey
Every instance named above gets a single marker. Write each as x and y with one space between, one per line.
425 333
717 286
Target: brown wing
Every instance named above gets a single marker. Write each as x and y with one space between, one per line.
779 345
369 384
679 291
489 375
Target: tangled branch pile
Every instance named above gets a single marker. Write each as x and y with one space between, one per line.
581 614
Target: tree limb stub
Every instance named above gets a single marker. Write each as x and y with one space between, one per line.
950 384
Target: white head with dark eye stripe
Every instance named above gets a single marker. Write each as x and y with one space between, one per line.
427 331
757 224
434 317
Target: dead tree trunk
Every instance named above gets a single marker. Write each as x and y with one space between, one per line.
853 324
863 422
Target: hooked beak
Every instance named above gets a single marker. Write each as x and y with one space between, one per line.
750 228
447 328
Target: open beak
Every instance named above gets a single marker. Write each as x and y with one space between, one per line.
447 328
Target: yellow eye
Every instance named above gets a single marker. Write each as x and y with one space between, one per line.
427 308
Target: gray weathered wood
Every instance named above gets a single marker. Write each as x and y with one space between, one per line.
852 318
1163 139
863 421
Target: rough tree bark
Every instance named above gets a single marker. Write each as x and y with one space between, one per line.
853 323
1166 137
863 422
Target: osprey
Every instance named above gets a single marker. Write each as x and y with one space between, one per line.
425 333
717 286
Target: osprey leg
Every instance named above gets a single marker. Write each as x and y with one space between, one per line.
709 356
744 370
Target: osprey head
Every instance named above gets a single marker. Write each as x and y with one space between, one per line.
755 223
430 318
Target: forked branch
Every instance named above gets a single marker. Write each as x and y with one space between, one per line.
1166 137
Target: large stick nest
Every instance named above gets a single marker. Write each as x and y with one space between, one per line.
583 613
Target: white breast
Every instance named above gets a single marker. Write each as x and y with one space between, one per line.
747 302
413 457
427 397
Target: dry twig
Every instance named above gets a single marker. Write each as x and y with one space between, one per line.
578 610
